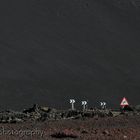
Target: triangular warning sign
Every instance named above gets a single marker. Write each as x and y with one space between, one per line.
124 102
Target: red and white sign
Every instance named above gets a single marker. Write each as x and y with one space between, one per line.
124 102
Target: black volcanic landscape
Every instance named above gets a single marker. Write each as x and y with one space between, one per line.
54 50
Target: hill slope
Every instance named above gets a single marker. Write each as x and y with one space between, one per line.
53 50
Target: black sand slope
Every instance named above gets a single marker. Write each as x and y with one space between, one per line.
53 50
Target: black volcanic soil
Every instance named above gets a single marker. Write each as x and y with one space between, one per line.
53 50
110 128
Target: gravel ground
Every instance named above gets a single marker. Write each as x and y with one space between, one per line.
109 128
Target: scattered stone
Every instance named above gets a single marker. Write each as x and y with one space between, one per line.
64 135
84 132
45 109
125 137
39 113
95 131
106 132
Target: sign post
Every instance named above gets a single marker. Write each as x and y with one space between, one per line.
103 105
72 101
124 102
84 104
